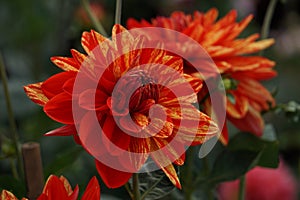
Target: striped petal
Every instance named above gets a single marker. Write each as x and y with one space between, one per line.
36 94
166 165
252 122
66 64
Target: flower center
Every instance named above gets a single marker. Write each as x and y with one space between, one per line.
132 99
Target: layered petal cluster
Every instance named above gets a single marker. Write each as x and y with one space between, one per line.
60 188
131 103
233 56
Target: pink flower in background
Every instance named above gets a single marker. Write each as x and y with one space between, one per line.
263 184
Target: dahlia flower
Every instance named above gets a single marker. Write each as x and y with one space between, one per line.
240 69
125 103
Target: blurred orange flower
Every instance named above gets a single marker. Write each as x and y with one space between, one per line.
240 70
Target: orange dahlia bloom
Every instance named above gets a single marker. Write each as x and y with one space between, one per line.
120 103
60 188
247 97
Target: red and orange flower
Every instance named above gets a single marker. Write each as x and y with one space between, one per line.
60 188
247 97
129 90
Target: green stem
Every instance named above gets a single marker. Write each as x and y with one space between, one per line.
242 188
11 118
93 18
14 168
206 169
129 190
118 12
188 175
136 189
267 21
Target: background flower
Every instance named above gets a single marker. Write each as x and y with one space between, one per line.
246 97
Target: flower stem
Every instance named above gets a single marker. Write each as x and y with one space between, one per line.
268 19
129 190
267 22
118 12
93 18
188 175
136 189
206 169
151 188
14 168
242 188
11 118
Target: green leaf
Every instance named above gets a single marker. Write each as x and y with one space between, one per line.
244 152
63 160
269 150
230 165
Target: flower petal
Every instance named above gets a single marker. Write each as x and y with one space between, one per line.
255 91
256 46
59 108
79 57
138 152
239 107
7 195
114 138
252 122
54 85
193 126
35 93
56 188
65 63
92 191
165 164
90 40
67 130
112 177
173 150
93 100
